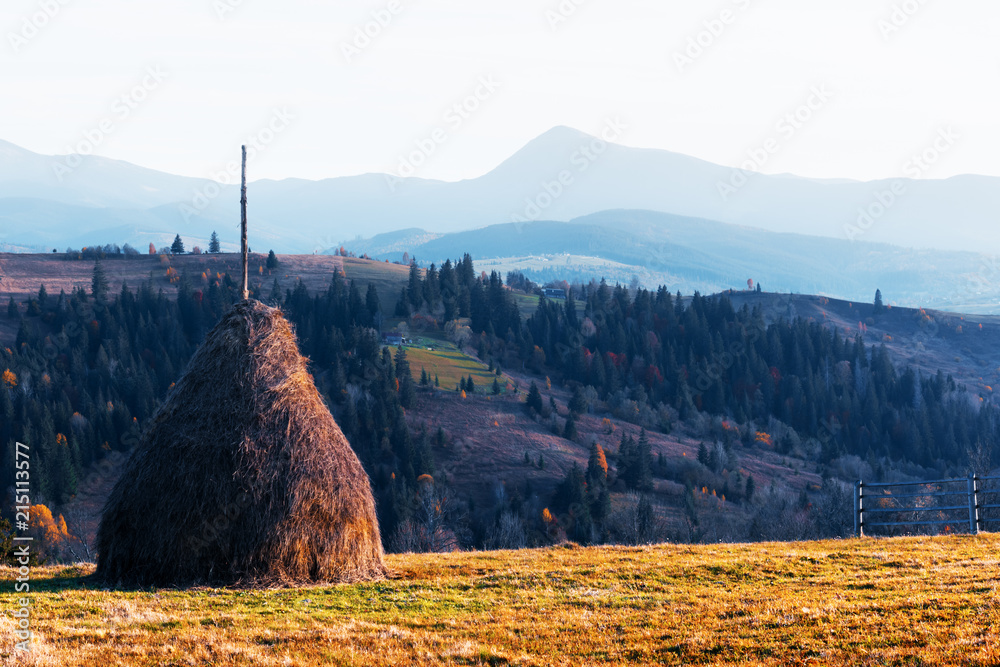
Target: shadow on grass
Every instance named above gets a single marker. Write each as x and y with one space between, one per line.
69 578
56 579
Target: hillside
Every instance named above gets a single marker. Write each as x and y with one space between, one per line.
22 274
966 346
874 602
693 254
528 457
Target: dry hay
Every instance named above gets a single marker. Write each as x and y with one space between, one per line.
243 476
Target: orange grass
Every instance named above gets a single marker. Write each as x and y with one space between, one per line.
900 601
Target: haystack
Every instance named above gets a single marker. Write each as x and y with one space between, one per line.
243 477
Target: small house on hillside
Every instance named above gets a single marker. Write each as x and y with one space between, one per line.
553 293
393 339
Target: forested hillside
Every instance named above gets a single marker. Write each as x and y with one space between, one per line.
87 370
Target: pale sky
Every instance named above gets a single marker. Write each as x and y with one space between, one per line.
226 66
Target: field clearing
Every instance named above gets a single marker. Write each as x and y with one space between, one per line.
389 279
451 366
851 602
527 304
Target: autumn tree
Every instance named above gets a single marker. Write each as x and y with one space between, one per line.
50 534
597 465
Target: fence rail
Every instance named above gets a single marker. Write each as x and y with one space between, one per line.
886 503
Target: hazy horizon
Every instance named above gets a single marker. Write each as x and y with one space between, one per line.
715 81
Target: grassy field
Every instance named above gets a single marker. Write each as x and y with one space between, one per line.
902 601
389 279
527 304
450 365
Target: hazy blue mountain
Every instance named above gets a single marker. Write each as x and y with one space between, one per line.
561 175
697 254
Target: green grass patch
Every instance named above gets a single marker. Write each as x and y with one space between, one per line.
450 365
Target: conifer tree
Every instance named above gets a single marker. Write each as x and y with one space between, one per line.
177 247
534 401
99 282
569 432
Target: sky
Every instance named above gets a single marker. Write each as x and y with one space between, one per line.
851 89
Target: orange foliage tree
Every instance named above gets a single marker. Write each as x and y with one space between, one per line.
51 536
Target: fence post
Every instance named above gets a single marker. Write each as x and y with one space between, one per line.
973 504
859 508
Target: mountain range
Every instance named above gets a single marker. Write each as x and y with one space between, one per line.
658 214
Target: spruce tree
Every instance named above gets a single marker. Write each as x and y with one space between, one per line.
275 298
578 403
177 247
597 467
534 401
569 432
407 392
703 454
644 463
214 247
99 282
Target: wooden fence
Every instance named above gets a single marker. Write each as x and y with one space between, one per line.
970 503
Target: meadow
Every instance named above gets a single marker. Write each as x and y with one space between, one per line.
899 601
450 365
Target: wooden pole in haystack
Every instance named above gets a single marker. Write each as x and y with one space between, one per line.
243 231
